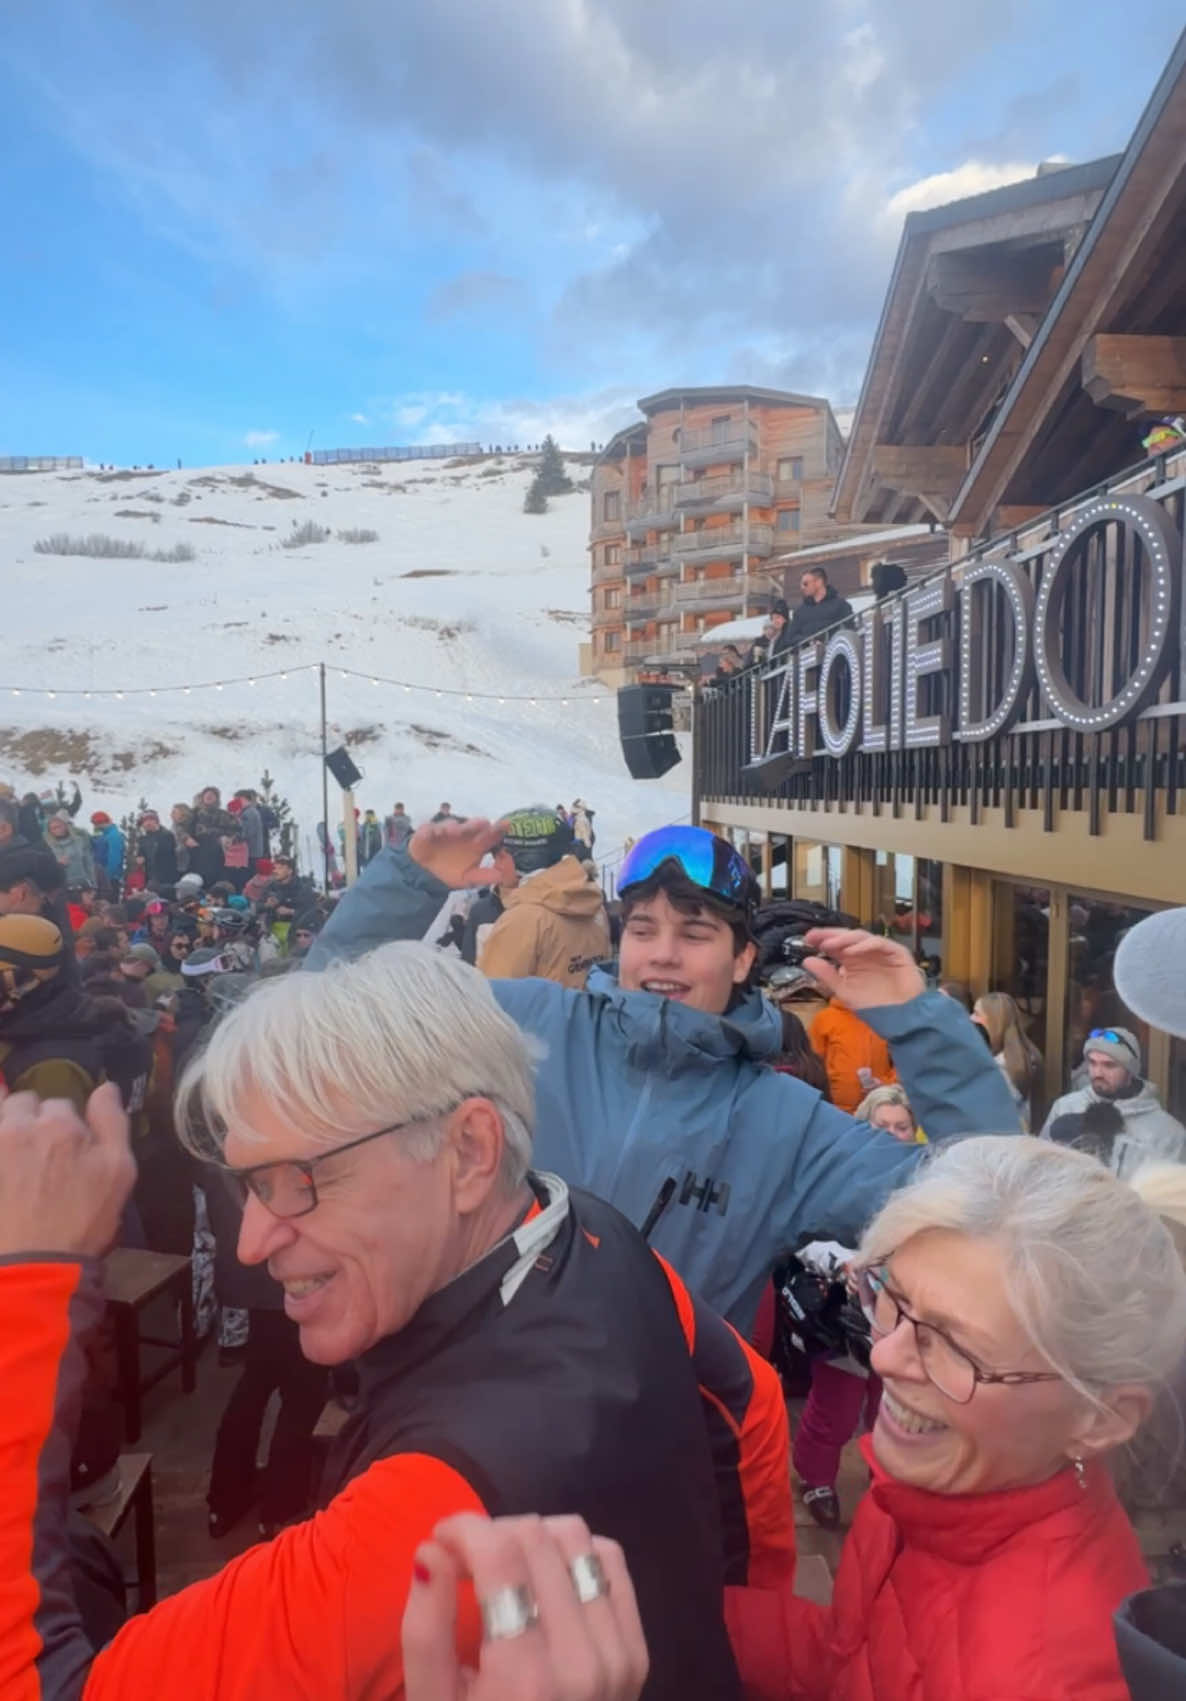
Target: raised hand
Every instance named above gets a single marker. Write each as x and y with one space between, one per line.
574 1651
63 1181
862 969
453 851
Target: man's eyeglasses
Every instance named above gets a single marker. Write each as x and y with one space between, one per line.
947 1366
288 1188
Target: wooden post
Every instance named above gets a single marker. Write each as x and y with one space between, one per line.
350 834
1057 984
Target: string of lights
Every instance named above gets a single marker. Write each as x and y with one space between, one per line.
406 685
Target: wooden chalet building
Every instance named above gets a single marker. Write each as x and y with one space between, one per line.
992 764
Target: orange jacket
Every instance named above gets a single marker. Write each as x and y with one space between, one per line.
987 1597
845 1044
316 1612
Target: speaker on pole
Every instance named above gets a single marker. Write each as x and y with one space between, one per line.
645 729
342 768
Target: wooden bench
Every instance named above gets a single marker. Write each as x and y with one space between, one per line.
131 1279
131 1493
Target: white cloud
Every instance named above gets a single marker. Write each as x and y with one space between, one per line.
260 439
360 418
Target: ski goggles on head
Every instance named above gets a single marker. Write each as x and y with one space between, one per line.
707 861
1113 1038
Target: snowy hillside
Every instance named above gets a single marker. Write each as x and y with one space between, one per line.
461 592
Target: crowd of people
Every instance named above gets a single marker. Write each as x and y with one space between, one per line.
559 1194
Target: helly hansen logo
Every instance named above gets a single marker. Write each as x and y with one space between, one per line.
704 1195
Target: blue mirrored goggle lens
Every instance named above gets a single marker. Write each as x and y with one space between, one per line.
705 860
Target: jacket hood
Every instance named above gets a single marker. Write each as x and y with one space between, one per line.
565 889
669 1037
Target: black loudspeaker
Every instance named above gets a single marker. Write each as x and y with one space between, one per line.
644 726
342 768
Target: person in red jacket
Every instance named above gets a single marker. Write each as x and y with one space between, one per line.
1024 1304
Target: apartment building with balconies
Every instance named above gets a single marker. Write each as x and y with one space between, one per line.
688 504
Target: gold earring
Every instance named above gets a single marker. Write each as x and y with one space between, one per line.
1080 1472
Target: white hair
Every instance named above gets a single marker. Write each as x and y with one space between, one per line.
1093 1272
403 1034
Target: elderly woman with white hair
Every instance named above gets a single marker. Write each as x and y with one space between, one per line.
520 1351
1025 1305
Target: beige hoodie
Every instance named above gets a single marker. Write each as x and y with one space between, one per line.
554 925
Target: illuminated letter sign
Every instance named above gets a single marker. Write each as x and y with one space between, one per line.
841 647
924 731
874 703
978 718
807 658
1148 523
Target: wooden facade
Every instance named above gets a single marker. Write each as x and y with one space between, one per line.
1014 723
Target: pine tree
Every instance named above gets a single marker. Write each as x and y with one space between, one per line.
270 798
536 500
551 476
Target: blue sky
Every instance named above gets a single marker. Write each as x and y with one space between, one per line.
233 223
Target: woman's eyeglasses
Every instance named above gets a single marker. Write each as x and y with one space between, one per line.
947 1366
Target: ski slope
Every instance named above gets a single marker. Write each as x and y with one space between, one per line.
462 592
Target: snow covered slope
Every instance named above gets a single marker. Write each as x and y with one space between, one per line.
461 592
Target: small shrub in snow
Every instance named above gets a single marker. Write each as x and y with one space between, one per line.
95 544
358 534
179 552
310 532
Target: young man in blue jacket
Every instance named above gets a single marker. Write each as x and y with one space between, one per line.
653 1089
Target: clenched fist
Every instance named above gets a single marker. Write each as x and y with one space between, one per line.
63 1181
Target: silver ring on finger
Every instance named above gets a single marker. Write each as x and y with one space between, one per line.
588 1578
508 1613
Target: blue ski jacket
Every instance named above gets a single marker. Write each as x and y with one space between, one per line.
660 1108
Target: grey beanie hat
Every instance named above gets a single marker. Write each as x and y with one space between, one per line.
1120 1044
1150 971
143 953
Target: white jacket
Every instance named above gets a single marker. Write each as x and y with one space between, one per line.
1150 1132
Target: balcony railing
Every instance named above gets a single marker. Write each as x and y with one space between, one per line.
723 543
642 561
1052 696
606 573
718 443
607 617
652 513
725 491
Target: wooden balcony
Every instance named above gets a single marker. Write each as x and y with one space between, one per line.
725 493
716 445
652 512
723 543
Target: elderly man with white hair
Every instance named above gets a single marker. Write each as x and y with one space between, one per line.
520 1351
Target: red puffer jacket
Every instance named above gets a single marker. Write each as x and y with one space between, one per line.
990 1597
